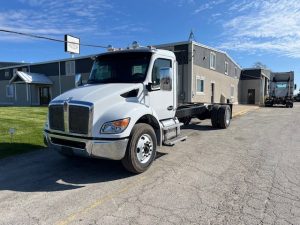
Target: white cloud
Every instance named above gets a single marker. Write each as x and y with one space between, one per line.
56 17
265 25
208 5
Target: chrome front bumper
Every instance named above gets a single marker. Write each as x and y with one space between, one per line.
109 149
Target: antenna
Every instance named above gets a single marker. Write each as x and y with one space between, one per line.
192 36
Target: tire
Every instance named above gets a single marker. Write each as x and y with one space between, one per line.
214 116
142 142
224 116
289 104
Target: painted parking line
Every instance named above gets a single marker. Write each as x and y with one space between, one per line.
99 202
244 112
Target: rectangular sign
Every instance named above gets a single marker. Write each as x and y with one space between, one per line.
72 44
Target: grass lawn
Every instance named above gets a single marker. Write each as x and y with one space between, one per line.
28 123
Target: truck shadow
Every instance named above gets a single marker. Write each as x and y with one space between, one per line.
9 149
198 126
47 171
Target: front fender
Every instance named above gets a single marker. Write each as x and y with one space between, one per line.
132 110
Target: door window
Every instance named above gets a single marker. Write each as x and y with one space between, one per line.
158 64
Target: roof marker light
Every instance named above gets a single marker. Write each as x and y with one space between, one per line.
135 45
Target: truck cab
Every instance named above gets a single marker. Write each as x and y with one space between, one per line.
125 111
281 89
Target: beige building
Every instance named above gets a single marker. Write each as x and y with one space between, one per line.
254 86
205 74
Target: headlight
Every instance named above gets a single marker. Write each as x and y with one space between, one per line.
115 127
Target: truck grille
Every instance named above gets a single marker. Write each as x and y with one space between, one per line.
56 117
79 119
71 118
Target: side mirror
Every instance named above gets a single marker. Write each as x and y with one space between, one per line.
166 79
152 87
78 80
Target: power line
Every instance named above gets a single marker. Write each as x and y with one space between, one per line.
49 39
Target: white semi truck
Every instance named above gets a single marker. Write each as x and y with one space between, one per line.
127 109
281 89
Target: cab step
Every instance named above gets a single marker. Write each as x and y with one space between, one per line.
177 125
173 141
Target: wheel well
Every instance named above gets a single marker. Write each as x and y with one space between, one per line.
151 120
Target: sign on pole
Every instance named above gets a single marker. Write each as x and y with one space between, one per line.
72 44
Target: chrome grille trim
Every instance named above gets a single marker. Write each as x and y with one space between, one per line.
65 105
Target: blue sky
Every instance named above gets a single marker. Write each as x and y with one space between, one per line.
249 30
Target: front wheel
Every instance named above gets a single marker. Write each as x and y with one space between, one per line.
141 149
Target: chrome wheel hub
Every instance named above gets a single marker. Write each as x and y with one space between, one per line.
144 148
227 116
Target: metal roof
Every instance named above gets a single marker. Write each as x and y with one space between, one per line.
30 78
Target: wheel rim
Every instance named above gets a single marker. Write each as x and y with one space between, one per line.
144 148
227 117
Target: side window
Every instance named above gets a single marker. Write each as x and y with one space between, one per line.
158 64
226 67
213 59
70 68
10 91
199 84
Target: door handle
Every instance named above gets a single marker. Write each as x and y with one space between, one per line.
170 108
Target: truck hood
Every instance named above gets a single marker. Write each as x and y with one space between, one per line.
97 92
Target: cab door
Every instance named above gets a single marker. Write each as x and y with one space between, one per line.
162 96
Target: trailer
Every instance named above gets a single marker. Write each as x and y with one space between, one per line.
127 110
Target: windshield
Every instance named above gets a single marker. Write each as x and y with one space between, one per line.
129 67
281 85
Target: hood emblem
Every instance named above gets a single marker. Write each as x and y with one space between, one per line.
66 102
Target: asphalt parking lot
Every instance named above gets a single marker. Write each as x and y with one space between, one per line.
247 174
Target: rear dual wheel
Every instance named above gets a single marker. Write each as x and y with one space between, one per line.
289 105
221 116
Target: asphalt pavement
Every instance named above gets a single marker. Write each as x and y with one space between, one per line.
246 174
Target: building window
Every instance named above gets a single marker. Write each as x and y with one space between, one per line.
9 91
226 68
6 74
200 85
70 68
213 59
232 91
15 71
235 72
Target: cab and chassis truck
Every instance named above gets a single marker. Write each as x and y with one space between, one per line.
127 109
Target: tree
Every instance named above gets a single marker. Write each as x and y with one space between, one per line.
259 65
